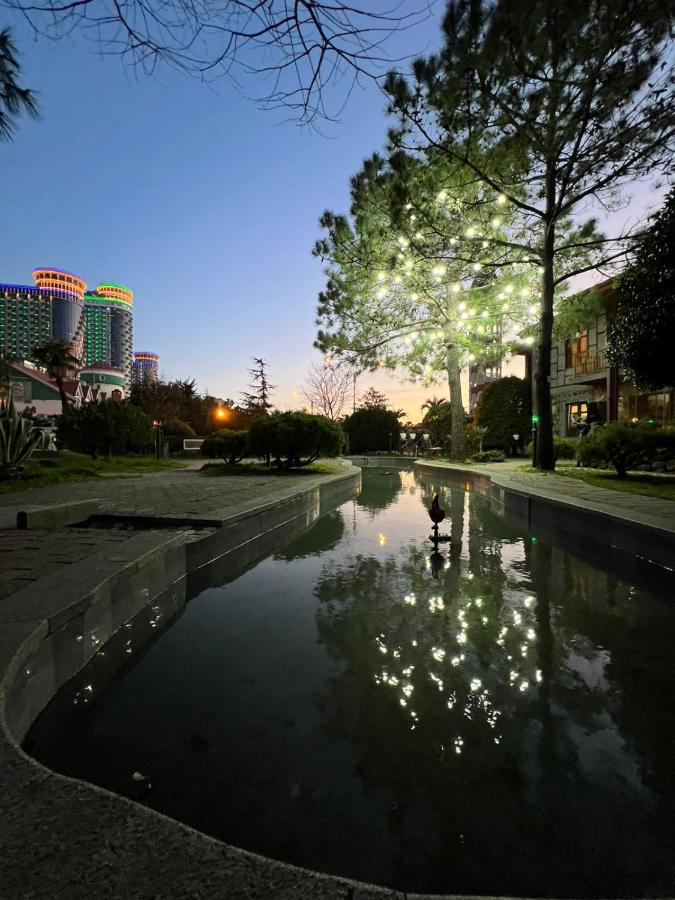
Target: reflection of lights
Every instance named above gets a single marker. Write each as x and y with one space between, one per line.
438 654
517 618
382 539
455 661
459 743
403 701
484 620
451 700
530 634
461 637
397 654
538 675
513 676
408 670
437 681
436 604
478 602
407 689
528 601
476 684
414 643
524 685
410 599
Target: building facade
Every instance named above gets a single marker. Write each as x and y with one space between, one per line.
109 328
50 309
584 388
145 369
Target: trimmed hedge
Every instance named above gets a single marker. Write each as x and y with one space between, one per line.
291 439
373 429
229 445
623 447
104 427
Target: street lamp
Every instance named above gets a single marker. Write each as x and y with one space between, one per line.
157 427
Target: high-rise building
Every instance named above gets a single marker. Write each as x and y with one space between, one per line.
109 328
52 309
145 368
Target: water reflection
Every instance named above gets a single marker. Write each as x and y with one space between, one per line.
492 719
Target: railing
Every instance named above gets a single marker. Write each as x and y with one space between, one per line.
589 363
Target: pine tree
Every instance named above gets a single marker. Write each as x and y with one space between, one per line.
258 399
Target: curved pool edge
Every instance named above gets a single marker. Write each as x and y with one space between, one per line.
66 838
563 519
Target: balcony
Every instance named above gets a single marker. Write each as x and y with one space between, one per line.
590 363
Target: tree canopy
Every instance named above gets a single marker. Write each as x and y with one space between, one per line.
14 99
642 333
553 107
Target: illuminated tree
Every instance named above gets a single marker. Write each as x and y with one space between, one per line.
642 333
408 286
552 107
14 100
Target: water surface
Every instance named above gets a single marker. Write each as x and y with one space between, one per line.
500 720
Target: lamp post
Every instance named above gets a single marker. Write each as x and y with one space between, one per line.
535 431
157 426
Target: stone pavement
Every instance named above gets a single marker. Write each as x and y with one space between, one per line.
651 511
26 556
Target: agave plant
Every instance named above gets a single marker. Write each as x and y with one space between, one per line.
18 439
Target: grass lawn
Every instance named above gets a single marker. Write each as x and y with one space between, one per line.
43 470
216 470
645 483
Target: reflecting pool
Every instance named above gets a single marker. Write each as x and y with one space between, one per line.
499 720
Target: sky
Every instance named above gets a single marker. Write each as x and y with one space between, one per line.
202 203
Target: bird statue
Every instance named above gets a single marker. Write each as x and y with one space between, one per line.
436 514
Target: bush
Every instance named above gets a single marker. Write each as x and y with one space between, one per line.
229 445
103 427
294 439
563 448
487 456
373 429
505 407
623 447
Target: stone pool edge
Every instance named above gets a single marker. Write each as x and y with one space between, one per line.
563 519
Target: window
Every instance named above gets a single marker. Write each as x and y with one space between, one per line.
576 413
574 348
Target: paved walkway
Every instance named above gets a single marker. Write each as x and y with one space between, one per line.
634 507
26 556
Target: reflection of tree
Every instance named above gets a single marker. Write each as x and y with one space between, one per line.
380 490
324 535
461 697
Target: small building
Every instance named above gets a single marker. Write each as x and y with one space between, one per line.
103 382
584 388
32 389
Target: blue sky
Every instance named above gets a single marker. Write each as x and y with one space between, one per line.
203 204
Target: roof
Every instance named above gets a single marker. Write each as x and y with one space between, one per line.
70 387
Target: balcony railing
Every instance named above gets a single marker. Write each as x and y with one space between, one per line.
589 363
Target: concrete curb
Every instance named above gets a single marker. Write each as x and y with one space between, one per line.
55 515
568 520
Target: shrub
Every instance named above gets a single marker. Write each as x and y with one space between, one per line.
229 445
294 438
505 408
623 447
563 448
486 456
103 427
372 429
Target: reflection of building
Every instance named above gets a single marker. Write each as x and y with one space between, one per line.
585 388
144 369
31 315
109 328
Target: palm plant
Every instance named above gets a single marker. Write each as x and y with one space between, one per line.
56 358
481 433
13 99
18 439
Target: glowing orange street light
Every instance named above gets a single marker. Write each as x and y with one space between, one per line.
220 413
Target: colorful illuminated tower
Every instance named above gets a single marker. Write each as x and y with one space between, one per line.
53 309
109 328
145 368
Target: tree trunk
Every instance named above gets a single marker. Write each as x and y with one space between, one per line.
456 406
543 457
62 391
